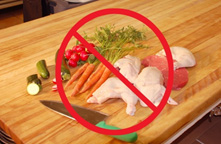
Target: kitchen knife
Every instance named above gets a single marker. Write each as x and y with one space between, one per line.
94 117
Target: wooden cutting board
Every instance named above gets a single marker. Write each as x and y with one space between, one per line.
192 24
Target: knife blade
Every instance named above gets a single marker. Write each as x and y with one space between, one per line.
94 117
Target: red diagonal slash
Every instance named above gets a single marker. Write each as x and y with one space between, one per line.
73 32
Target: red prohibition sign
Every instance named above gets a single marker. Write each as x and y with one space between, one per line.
73 32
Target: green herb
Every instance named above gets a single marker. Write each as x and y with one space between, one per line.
113 44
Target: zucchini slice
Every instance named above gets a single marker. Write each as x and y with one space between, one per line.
33 84
33 88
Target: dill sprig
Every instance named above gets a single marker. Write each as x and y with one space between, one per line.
114 44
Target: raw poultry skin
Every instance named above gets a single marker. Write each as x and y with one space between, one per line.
149 82
114 88
182 56
129 67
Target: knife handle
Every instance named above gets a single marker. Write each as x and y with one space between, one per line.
131 137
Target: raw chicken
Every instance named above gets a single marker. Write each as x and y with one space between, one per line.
149 82
149 75
114 88
129 67
182 56
153 92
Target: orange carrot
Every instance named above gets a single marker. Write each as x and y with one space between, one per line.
103 78
100 66
82 79
93 78
76 75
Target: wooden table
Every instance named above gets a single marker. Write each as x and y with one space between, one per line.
192 24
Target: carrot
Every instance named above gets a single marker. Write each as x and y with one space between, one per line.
82 79
103 78
100 66
76 75
93 78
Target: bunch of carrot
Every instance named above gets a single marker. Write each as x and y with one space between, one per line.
110 46
87 78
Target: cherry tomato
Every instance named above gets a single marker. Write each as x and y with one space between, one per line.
78 48
84 55
75 57
72 63
68 53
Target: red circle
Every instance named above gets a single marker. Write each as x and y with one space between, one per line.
59 60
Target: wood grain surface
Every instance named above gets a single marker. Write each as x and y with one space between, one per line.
192 24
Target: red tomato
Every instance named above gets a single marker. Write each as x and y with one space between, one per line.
78 48
72 63
68 53
84 55
75 57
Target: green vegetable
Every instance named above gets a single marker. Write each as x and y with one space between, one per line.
42 69
65 72
31 78
80 62
114 44
91 58
33 84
